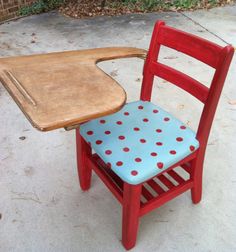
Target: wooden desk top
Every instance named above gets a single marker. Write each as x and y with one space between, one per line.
63 89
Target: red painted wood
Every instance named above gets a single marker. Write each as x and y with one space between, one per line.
215 56
156 187
115 178
214 93
165 197
207 117
146 194
166 181
187 167
148 77
83 153
130 216
106 180
196 177
190 44
118 181
181 80
176 176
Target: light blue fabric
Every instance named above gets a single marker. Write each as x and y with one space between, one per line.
139 141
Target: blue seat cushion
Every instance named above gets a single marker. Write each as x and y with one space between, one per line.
140 141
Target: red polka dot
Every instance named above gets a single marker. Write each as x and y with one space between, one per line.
173 152
142 140
145 120
154 154
134 173
119 122
138 160
136 129
108 152
102 121
160 165
191 147
155 111
182 127
126 113
140 107
107 132
109 165
158 130
179 139
126 149
159 143
166 119
90 132
99 142
119 163
121 137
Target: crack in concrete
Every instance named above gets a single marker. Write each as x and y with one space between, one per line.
195 22
26 196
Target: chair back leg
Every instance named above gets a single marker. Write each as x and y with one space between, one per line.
131 213
197 171
83 151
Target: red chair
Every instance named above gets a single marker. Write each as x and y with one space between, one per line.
104 135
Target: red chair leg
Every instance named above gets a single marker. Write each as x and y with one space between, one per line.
130 218
83 152
196 191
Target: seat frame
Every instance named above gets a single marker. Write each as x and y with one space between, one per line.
137 200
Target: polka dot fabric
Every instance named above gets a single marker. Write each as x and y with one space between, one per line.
139 141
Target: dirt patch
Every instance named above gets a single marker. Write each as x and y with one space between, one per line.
85 8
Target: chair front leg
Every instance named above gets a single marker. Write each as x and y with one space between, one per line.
83 153
130 218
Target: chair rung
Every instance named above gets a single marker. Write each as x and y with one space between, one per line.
113 176
146 194
162 199
96 164
152 192
176 176
159 190
166 181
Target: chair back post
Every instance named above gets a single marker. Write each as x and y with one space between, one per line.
148 76
205 51
213 97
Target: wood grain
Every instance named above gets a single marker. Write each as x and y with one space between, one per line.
63 89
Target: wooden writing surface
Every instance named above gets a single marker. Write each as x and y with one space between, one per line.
63 89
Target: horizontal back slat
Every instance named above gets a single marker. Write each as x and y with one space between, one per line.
191 45
181 80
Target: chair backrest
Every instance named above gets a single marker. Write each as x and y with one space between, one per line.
203 50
